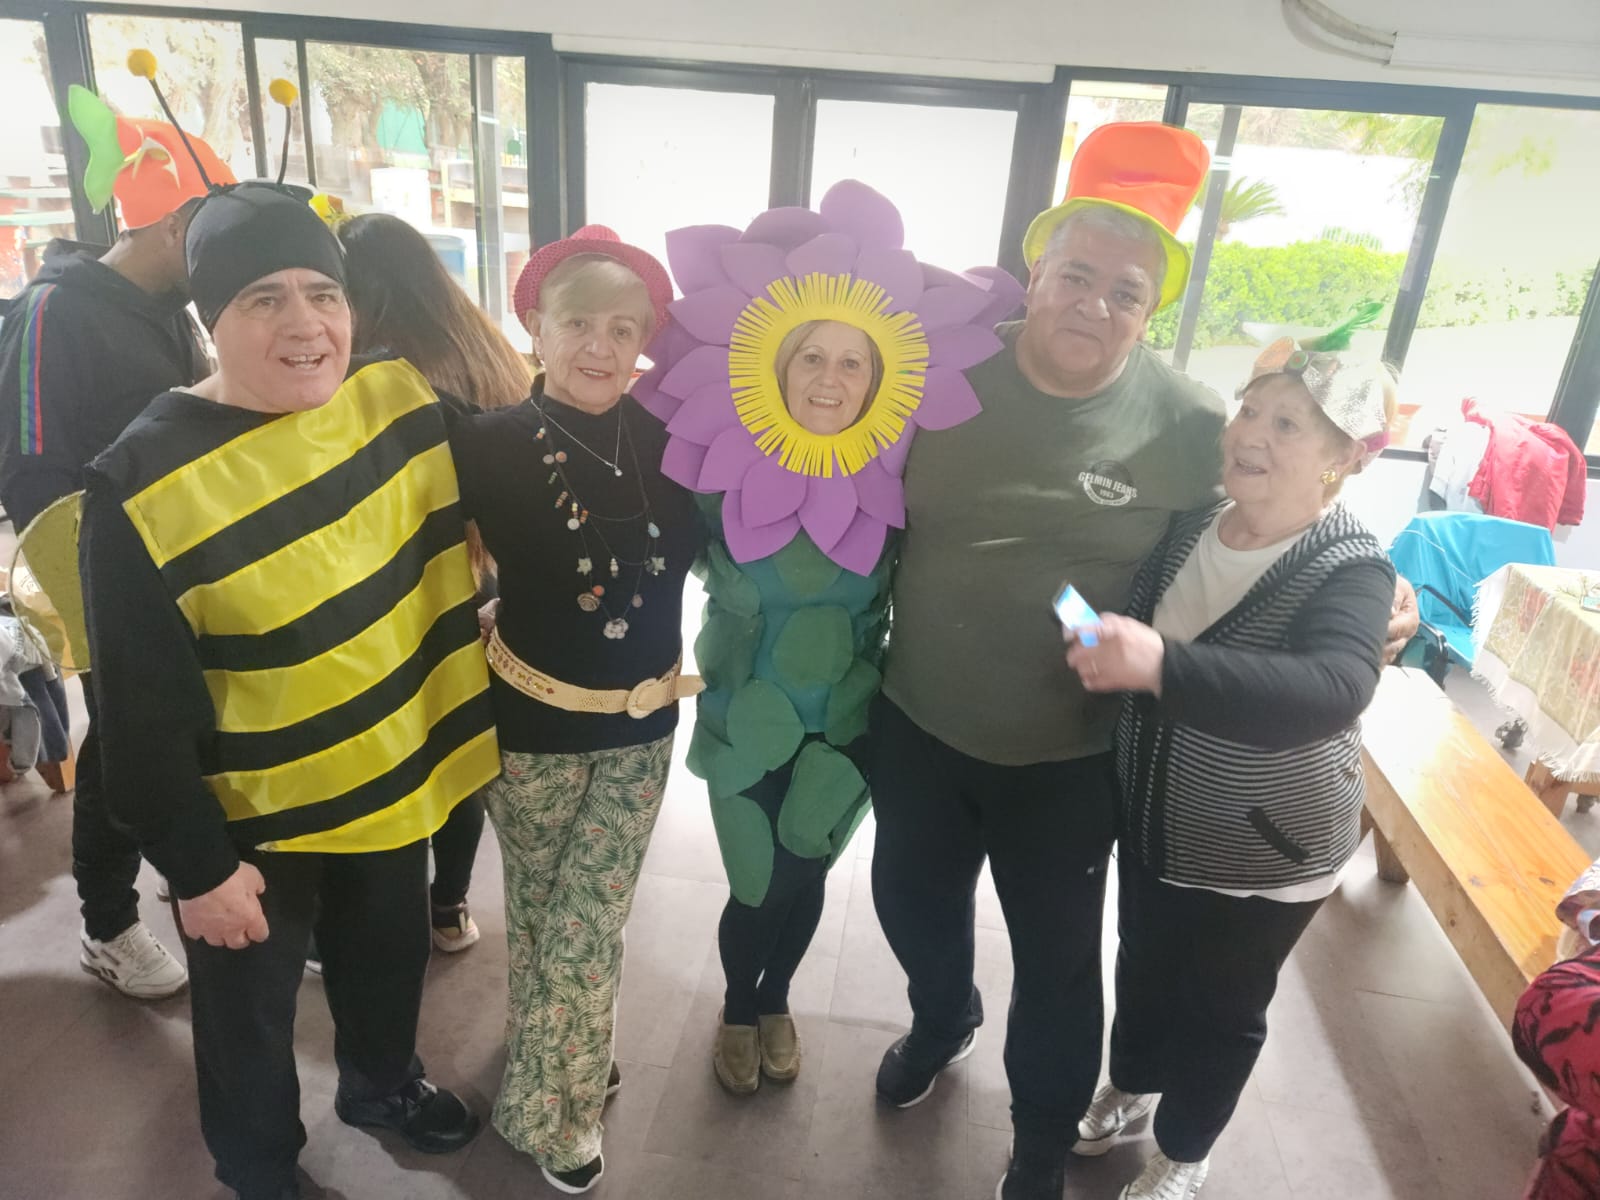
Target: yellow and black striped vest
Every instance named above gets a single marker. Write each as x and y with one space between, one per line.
318 559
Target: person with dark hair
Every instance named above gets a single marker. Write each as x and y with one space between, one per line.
404 303
280 613
92 339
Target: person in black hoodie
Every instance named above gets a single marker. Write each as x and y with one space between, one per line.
84 348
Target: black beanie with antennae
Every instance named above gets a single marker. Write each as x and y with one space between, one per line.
249 231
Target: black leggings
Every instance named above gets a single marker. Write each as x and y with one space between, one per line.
455 847
761 947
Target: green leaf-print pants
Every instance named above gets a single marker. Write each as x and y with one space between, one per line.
573 830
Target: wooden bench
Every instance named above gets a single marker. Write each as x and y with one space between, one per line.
1451 815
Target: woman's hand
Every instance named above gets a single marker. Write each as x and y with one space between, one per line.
487 616
1403 620
1127 657
229 914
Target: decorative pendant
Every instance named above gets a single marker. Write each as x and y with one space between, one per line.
585 566
618 470
657 565
561 456
653 530
616 628
539 437
638 600
552 479
572 524
587 602
549 460
561 499
615 571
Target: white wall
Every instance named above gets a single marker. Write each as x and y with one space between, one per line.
1017 38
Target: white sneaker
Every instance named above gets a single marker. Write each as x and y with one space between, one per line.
1110 1112
1163 1179
134 963
459 934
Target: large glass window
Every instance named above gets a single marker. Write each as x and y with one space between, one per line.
952 214
1516 254
503 183
200 67
277 59
35 199
1317 214
661 158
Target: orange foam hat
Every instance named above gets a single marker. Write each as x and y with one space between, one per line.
161 175
1145 168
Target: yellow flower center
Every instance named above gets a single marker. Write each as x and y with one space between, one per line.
753 352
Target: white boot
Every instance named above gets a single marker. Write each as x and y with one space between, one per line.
1163 1179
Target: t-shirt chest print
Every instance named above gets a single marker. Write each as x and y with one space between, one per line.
1108 483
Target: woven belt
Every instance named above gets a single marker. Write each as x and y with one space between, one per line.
638 701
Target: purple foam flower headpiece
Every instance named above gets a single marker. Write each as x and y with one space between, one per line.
715 381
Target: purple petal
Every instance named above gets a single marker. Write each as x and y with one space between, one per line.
769 493
828 254
947 399
647 391
893 456
785 228
1005 294
681 460
880 492
950 304
706 414
692 255
708 315
829 507
753 266
696 369
731 455
670 343
961 346
896 271
868 216
859 548
746 544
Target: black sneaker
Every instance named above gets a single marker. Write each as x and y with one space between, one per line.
430 1119
286 1191
579 1180
613 1080
1036 1174
909 1069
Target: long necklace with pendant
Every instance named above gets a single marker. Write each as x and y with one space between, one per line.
614 462
593 599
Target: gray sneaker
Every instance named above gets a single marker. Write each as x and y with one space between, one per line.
134 963
1110 1112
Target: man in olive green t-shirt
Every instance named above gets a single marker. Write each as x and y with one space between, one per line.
986 744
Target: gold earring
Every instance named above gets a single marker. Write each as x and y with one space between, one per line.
1330 476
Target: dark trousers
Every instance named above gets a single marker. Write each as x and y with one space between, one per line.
761 946
105 861
455 849
370 913
1046 829
1195 973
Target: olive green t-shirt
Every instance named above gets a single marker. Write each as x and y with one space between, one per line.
1001 510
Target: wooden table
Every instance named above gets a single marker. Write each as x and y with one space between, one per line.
1538 650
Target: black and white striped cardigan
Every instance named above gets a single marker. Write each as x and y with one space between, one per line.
1269 794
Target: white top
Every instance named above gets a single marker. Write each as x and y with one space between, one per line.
1211 582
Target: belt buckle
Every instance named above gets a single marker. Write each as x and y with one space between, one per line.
645 698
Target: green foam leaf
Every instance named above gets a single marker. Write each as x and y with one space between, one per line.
725 650
850 702
730 587
763 728
805 570
97 125
823 790
814 646
745 836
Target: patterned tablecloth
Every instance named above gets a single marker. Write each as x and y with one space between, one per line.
1538 649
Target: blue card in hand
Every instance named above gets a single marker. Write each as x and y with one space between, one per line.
1074 613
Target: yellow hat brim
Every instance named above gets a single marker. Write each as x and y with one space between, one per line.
1047 222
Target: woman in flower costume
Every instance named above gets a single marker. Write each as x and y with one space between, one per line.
805 352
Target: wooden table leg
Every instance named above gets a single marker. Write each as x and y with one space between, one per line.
1389 868
1552 792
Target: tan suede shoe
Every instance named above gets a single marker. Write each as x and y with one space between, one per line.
737 1058
780 1047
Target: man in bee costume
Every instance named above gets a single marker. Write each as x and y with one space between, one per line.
280 615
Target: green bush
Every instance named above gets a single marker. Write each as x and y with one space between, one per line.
1316 283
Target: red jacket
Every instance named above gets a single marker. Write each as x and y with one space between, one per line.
1531 472
1554 1033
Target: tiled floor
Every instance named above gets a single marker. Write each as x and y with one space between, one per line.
1385 1074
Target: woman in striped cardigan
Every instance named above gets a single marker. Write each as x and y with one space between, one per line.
1252 643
